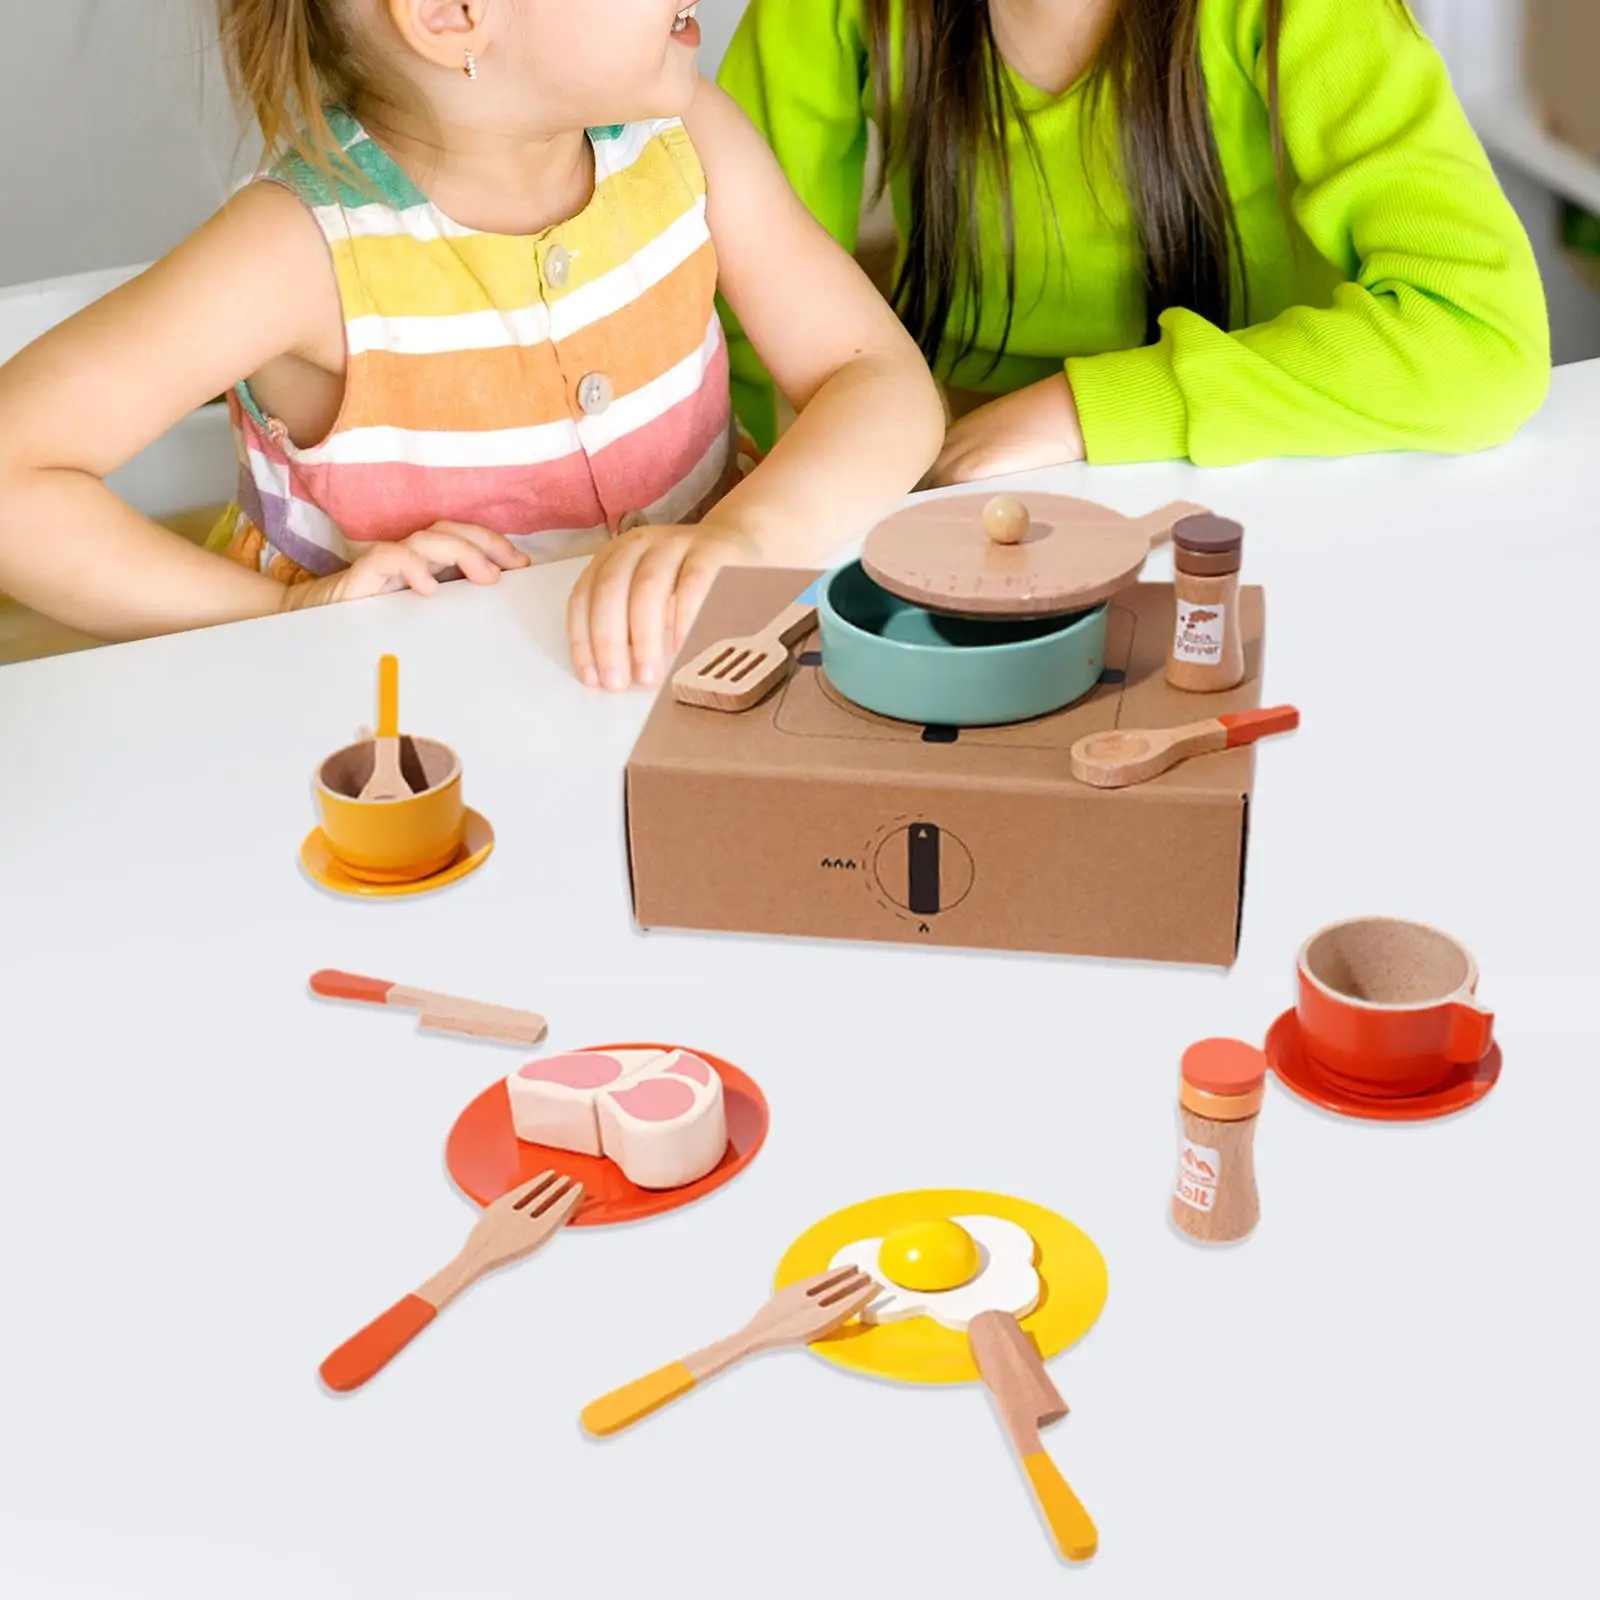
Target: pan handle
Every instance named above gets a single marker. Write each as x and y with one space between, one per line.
1159 524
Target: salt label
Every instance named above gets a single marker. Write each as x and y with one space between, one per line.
1199 1173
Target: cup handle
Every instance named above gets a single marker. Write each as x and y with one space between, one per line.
1471 1033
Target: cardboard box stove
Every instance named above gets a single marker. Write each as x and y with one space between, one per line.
807 815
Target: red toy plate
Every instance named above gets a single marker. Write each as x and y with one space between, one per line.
1298 1073
485 1157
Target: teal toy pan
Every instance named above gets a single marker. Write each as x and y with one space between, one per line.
901 661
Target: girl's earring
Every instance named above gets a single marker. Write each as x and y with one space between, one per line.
472 66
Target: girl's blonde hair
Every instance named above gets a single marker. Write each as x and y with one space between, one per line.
288 59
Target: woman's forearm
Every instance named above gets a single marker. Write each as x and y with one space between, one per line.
71 549
859 444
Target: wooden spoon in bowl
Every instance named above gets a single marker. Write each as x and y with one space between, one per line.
387 782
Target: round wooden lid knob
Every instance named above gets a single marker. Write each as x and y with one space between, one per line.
1006 520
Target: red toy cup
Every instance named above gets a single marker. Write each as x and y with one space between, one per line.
1388 1007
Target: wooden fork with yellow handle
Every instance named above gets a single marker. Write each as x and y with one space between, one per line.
796 1315
1027 1399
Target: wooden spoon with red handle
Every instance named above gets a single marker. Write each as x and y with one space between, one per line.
1118 759
511 1227
1027 1398
794 1316
735 674
441 1012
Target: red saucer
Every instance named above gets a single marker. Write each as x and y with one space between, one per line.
486 1158
1298 1073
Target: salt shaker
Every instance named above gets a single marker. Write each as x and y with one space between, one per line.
1207 648
1214 1198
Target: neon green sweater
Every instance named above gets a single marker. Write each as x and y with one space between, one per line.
1408 315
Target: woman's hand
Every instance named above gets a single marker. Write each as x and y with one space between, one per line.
415 563
1020 432
634 604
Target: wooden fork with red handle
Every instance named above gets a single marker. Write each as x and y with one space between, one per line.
510 1228
793 1316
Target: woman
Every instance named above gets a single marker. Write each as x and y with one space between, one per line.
1161 229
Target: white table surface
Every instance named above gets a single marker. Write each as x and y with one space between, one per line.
209 1179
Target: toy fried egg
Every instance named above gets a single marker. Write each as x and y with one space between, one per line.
948 1268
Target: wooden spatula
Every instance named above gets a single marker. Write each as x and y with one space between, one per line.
735 674
387 782
1027 1399
1119 758
514 1226
442 1012
794 1316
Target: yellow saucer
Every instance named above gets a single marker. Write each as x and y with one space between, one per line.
918 1350
477 842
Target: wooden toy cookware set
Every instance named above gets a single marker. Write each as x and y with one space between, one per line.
964 612
966 615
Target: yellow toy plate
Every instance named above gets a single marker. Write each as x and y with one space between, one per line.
918 1350
318 861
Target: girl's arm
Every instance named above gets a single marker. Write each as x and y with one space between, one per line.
89 395
798 72
253 289
1440 340
870 418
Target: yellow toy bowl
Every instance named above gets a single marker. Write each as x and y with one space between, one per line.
393 841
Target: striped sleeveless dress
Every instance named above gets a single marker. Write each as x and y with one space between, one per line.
558 388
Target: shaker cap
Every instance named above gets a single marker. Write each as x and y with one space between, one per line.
1207 546
1224 1066
1223 1079
1208 535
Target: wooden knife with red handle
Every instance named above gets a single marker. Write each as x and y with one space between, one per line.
440 1012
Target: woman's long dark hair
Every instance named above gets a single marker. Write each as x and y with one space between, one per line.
949 134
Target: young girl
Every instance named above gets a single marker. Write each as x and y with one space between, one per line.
1160 229
470 321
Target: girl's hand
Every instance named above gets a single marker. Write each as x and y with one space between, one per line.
415 563
1034 427
635 602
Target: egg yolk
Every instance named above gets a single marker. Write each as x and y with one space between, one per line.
929 1257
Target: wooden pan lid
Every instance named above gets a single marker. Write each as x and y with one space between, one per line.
976 555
